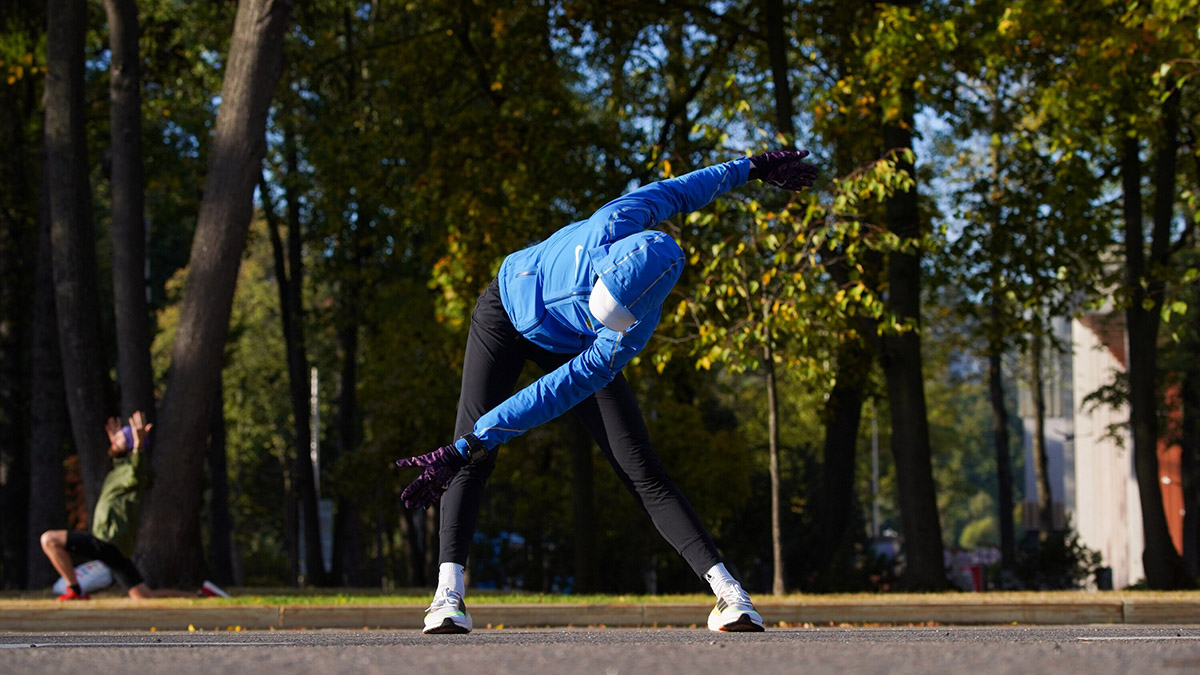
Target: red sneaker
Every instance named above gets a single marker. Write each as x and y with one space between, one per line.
211 590
72 595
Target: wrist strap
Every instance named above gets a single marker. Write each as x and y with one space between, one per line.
476 450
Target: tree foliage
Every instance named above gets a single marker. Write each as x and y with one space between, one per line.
410 146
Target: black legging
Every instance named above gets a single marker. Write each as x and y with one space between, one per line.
494 357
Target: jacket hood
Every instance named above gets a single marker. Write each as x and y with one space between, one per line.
639 270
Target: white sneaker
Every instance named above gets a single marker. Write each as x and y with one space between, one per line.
734 612
447 614
211 590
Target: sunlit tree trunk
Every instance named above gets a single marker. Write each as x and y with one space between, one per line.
778 577
169 537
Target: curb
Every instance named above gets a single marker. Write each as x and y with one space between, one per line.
127 615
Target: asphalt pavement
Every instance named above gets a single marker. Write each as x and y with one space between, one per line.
1095 650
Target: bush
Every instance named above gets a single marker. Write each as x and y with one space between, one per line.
1054 561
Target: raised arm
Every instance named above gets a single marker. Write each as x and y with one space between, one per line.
651 204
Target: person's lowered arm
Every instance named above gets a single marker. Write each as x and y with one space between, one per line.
546 398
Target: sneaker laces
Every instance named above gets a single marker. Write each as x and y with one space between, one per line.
446 598
733 594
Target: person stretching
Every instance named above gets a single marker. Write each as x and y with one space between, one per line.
114 522
580 305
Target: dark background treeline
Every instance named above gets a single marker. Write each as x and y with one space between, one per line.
265 224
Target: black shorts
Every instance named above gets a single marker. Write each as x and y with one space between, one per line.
89 547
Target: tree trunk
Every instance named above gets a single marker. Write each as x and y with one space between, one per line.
995 353
778 587
1163 564
292 316
307 489
1041 461
1004 474
291 519
843 416
73 237
19 227
1189 444
134 375
414 565
49 438
347 539
777 49
169 538
583 517
220 519
900 356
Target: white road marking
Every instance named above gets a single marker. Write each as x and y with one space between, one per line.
1125 638
60 645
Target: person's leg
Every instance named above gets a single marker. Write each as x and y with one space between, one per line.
613 418
492 362
54 545
142 591
615 421
123 570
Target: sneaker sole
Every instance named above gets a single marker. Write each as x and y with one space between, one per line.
744 624
448 627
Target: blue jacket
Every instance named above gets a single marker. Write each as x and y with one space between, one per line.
545 290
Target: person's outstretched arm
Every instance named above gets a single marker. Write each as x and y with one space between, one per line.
651 204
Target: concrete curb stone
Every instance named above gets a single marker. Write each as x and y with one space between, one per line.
100 616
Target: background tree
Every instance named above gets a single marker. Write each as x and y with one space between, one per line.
73 238
21 61
169 530
128 222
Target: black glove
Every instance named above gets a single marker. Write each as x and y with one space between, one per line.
438 467
783 169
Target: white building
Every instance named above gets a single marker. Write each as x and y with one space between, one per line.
1091 473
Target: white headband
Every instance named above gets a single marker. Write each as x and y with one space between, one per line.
607 310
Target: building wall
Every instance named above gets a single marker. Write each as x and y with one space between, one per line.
1060 457
1107 514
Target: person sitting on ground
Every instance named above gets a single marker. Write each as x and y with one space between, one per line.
114 522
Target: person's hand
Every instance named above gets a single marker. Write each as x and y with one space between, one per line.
137 424
116 435
439 467
783 169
